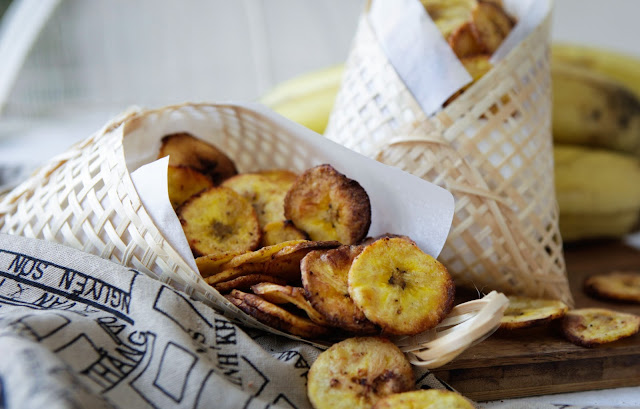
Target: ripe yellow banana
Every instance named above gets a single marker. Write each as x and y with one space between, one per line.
621 67
592 109
307 99
598 192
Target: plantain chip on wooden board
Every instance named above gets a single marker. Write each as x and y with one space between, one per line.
218 220
281 260
281 231
526 312
399 287
622 286
357 372
275 316
590 327
324 278
265 191
285 294
187 150
425 399
327 205
184 182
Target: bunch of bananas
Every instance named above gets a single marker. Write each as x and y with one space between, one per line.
596 131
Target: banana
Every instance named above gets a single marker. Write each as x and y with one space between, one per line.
308 98
594 110
621 67
598 192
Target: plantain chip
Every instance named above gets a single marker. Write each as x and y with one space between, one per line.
187 150
219 220
281 231
245 282
328 206
399 287
357 372
280 260
184 182
324 278
265 191
490 24
212 263
621 286
275 316
589 327
425 399
283 294
525 312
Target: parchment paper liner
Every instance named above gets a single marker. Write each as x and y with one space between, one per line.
491 147
89 198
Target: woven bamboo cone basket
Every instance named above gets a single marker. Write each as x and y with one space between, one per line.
491 147
86 199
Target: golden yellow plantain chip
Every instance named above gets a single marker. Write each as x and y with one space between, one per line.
212 263
399 287
265 191
357 372
525 312
187 150
324 278
327 205
184 182
275 316
464 43
218 220
425 399
245 282
449 15
589 327
283 294
280 231
617 286
281 260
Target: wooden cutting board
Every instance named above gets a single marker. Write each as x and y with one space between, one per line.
540 361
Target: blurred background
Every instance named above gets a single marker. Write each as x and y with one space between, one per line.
70 65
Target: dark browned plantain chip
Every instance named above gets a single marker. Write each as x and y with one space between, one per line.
324 278
275 316
327 205
245 282
187 150
286 294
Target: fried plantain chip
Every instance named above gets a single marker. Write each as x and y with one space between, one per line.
617 286
525 312
212 263
184 182
357 372
218 220
589 327
449 15
490 25
399 287
281 260
329 206
187 150
283 294
425 399
245 282
324 278
265 191
281 231
275 316
463 41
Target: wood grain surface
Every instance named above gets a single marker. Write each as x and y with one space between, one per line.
540 361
